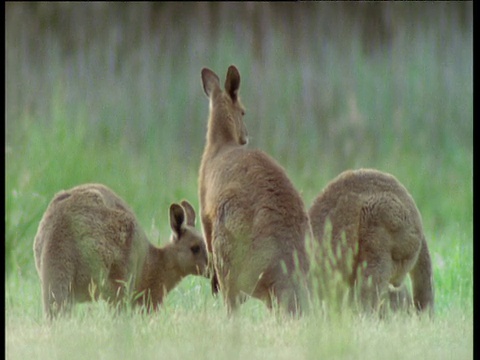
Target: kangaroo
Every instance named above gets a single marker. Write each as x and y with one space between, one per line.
369 230
89 243
254 221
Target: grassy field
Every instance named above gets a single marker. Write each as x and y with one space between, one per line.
120 102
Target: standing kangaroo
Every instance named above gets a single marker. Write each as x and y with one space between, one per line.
376 237
254 221
89 243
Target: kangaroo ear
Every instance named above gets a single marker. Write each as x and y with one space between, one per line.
232 83
189 211
210 81
177 218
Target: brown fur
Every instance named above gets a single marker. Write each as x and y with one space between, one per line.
376 237
89 243
254 221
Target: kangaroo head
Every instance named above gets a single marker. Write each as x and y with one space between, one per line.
187 242
226 110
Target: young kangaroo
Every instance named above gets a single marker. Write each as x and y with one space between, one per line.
254 220
376 237
89 243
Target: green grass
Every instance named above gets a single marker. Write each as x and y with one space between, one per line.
194 325
127 109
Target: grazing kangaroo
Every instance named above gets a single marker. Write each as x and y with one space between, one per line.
89 243
369 229
254 221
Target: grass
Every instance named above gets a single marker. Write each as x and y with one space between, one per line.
127 109
194 325
170 337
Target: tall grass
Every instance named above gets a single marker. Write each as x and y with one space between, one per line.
112 94
204 332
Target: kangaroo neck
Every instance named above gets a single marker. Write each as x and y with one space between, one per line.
160 269
219 140
216 149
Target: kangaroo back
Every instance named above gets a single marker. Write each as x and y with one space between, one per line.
90 244
254 220
87 233
369 229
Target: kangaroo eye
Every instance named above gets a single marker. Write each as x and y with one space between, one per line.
195 249
243 112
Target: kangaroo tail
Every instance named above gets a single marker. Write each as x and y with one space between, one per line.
422 280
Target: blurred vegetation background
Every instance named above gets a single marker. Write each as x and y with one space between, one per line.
111 93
